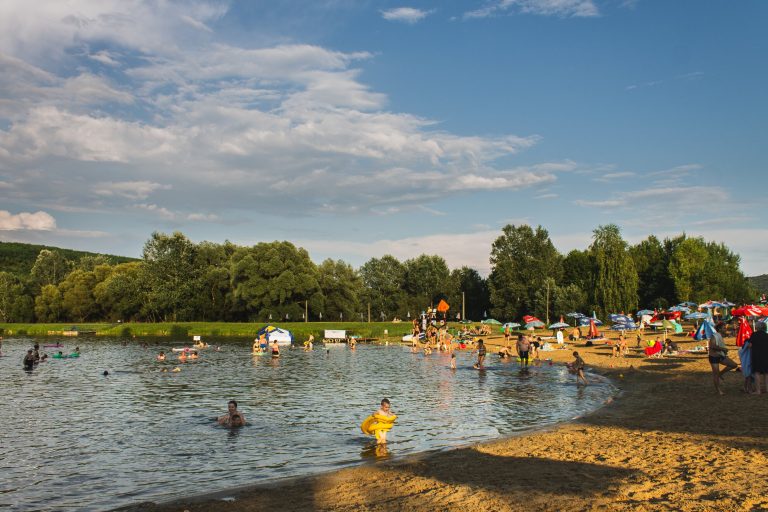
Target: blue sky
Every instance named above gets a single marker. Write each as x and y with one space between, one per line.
359 128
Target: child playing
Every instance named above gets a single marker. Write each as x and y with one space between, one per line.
577 367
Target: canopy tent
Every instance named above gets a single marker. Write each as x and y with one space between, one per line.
272 333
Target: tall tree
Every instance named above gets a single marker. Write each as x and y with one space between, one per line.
384 281
341 286
615 285
48 306
655 288
426 282
122 294
521 260
169 265
50 268
467 284
15 303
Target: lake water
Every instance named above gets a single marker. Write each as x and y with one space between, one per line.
72 439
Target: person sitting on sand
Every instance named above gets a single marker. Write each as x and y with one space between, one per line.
718 354
577 367
233 418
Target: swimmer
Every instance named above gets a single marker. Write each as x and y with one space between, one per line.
77 351
182 357
384 410
453 361
255 347
161 356
193 355
275 349
106 373
232 411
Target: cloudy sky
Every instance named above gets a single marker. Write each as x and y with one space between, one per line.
359 128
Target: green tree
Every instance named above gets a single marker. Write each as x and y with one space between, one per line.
48 306
384 285
212 288
16 304
341 287
578 269
655 288
426 283
169 266
274 279
569 298
50 268
615 285
121 294
475 293
521 260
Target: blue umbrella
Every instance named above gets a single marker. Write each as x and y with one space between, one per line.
511 325
585 321
688 304
624 327
618 318
696 316
705 331
574 314
559 325
534 324
644 312
682 309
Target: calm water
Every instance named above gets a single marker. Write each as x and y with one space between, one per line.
71 438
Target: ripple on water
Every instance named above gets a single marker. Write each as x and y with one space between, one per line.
74 439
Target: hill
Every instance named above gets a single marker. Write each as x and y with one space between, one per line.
760 283
18 258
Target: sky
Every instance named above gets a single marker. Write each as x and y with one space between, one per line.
358 128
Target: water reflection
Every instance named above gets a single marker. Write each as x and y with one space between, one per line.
303 408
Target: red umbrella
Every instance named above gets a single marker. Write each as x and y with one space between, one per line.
528 319
750 310
745 331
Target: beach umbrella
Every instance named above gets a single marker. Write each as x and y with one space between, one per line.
682 309
696 316
511 325
644 312
705 331
575 314
592 330
587 320
745 331
559 325
533 324
630 326
530 318
751 310
492 321
688 304
619 318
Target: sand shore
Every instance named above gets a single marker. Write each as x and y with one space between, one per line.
669 442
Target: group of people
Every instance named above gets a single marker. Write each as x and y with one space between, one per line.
753 355
33 357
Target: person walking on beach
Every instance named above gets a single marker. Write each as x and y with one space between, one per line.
480 355
718 354
759 345
577 367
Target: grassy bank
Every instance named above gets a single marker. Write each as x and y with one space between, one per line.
300 330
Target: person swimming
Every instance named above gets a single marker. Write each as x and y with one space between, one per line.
233 418
161 356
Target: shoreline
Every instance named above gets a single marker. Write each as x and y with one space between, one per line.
665 442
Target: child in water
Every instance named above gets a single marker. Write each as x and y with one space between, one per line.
384 410
577 367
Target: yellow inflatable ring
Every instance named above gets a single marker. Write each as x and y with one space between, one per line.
376 423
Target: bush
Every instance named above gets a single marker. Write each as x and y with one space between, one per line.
125 332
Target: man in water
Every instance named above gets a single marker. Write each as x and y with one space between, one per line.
275 349
523 346
480 355
29 360
233 418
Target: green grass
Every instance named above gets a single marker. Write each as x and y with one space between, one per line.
300 330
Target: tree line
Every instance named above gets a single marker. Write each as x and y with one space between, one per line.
179 280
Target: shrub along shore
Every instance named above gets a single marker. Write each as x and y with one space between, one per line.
300 330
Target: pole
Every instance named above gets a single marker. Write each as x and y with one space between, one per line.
369 312
306 311
547 301
463 312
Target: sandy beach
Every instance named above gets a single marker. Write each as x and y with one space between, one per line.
668 442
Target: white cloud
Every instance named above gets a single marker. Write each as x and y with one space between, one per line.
128 189
38 221
559 8
612 176
405 14
105 58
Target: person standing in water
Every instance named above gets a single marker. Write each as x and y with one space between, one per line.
29 360
233 418
577 367
480 355
275 349
384 410
523 346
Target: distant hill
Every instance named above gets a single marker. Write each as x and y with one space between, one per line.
760 283
18 258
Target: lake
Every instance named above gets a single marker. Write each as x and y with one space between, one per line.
73 439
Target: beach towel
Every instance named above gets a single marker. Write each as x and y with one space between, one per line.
745 355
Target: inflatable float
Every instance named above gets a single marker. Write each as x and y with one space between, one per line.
184 349
376 423
65 356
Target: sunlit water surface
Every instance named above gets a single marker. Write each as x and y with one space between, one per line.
72 439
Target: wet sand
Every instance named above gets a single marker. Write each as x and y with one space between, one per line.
668 442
